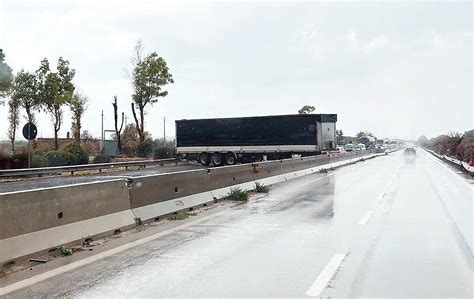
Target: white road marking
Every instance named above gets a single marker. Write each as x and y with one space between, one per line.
381 195
366 217
63 269
326 275
458 177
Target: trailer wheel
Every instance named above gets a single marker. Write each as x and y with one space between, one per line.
217 159
230 159
204 159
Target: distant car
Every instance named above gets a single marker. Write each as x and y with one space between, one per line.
340 150
349 147
360 147
410 154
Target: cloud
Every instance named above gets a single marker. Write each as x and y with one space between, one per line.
376 43
352 39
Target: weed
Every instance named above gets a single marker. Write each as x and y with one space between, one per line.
261 188
238 194
178 216
61 251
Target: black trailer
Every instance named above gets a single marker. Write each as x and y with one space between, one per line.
229 140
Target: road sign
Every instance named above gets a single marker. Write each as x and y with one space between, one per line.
30 131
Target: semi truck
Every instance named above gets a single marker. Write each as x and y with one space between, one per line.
249 139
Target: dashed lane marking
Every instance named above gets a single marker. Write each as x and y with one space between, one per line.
366 217
326 275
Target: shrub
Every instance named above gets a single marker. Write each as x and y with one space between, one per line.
238 194
163 152
38 160
79 155
178 216
57 158
145 148
61 251
101 158
261 188
19 160
5 160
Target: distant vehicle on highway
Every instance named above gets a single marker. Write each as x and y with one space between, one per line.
379 143
228 141
368 141
360 147
340 149
410 154
349 147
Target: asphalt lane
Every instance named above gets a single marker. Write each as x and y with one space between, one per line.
382 227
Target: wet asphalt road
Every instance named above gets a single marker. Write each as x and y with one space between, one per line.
402 230
52 181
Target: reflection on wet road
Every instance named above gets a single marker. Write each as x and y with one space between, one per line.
383 227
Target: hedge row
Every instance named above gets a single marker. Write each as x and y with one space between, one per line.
73 154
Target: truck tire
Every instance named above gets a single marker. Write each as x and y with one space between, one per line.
230 159
204 159
217 159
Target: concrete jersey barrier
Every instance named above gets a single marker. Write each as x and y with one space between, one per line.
38 220
41 219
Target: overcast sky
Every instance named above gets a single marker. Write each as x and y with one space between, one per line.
397 69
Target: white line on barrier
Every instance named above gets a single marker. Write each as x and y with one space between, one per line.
66 268
366 217
326 275
452 172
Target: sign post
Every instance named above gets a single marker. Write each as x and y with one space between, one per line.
29 132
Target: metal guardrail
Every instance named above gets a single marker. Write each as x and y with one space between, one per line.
74 168
99 166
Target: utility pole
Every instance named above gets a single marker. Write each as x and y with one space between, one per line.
164 131
102 131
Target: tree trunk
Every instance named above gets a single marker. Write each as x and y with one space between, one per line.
77 136
137 124
57 126
56 145
117 130
119 138
142 127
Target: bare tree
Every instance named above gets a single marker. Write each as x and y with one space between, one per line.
117 129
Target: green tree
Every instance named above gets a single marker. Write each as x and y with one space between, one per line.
77 105
55 90
306 109
364 133
6 77
25 93
13 120
149 76
339 136
422 141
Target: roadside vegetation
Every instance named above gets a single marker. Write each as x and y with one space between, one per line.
261 188
179 216
455 145
238 194
51 89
